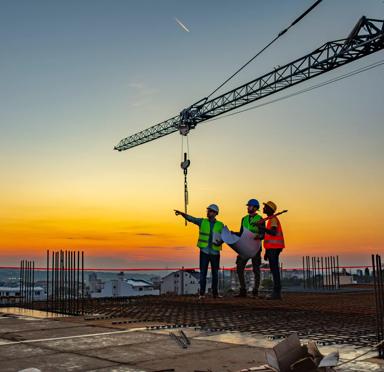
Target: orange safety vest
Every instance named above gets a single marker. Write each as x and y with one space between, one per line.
274 241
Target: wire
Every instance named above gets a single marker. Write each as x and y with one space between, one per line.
365 353
313 87
281 33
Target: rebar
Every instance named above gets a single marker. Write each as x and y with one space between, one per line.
321 272
65 289
377 271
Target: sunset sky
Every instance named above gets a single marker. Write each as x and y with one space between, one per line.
76 76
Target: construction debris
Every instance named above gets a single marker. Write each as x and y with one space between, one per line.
179 339
290 355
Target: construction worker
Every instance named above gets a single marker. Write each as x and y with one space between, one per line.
250 222
273 245
210 244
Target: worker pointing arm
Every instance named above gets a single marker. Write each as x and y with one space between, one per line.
189 218
210 244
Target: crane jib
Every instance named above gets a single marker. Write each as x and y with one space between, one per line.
367 37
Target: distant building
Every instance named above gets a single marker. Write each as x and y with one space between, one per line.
293 274
180 282
95 284
10 295
120 287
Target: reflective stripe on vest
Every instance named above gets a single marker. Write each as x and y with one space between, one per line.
205 230
274 241
250 223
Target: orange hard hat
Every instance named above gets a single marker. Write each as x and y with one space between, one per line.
271 205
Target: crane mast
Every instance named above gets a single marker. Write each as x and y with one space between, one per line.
367 37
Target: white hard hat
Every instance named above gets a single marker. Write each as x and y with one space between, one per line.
213 207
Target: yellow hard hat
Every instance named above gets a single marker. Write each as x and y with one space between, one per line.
271 205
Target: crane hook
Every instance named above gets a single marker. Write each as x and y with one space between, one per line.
184 166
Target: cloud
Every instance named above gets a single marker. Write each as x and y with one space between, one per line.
147 234
97 238
175 248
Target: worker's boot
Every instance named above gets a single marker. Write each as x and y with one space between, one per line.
216 295
255 293
274 296
242 293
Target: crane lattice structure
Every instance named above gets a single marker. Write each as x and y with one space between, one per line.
367 37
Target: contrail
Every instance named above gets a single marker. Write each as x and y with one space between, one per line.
181 25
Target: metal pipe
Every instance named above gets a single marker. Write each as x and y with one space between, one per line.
78 283
334 273
26 282
379 271
322 272
66 310
338 271
21 281
71 283
56 281
52 273
62 306
47 273
314 273
82 282
32 282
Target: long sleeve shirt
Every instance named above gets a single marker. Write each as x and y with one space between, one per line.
197 221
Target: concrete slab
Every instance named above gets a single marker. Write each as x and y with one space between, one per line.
228 359
103 341
56 362
119 368
50 333
238 338
166 348
19 351
10 325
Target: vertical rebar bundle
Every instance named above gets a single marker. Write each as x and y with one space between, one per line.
377 271
27 283
65 283
321 272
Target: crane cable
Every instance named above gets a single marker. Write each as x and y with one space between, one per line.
281 33
185 163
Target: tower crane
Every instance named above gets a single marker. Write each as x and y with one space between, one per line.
367 37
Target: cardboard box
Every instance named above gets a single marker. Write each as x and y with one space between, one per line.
291 356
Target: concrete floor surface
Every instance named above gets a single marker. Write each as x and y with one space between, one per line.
74 344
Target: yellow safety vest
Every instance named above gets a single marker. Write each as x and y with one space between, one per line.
205 231
250 223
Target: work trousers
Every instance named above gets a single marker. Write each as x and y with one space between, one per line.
241 263
273 258
205 259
